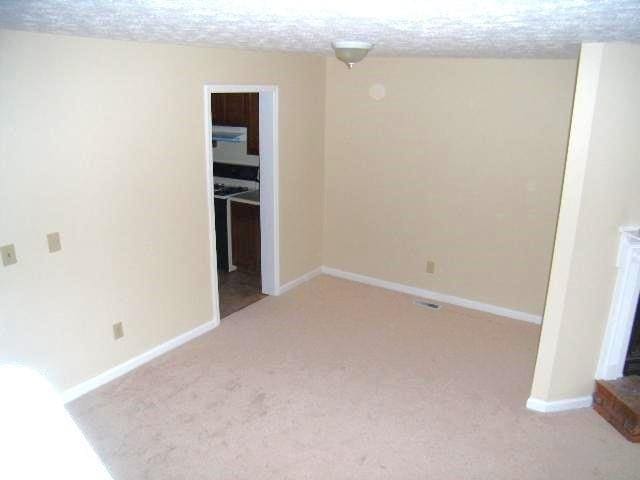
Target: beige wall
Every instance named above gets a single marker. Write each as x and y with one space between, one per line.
461 162
103 142
600 194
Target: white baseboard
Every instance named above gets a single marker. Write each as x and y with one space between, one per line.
300 280
440 297
119 370
559 405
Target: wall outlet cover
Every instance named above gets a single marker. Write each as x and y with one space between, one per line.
53 239
431 266
8 253
118 331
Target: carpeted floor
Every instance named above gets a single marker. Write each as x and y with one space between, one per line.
336 380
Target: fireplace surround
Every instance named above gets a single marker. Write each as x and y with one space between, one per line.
623 306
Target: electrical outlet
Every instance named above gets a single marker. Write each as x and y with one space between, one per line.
118 331
53 239
8 253
431 266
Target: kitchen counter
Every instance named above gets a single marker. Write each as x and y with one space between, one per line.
251 197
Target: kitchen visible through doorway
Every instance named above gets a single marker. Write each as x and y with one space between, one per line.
243 176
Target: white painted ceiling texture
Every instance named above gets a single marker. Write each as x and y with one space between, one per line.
489 28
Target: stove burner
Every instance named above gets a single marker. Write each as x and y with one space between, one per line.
224 190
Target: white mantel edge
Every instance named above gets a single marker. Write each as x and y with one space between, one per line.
623 306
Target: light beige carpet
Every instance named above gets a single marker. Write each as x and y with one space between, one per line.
336 380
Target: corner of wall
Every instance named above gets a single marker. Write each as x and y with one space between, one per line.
568 218
325 122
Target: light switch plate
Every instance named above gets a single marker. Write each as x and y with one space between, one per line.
431 266
118 331
8 253
53 239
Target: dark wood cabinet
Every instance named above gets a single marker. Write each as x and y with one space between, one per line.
245 236
239 110
218 108
229 109
222 249
253 124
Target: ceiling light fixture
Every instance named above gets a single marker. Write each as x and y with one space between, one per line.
351 52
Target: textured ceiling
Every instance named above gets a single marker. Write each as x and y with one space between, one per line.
489 28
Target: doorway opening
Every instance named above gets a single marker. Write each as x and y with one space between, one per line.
242 173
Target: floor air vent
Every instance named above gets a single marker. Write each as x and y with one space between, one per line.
426 304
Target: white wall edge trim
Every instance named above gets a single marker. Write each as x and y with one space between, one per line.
441 297
624 301
558 405
300 280
133 363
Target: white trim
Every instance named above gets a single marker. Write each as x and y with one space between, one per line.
300 280
417 292
123 368
269 210
240 88
119 370
269 188
623 306
441 297
559 405
213 262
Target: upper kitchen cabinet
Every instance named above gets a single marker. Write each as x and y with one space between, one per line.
253 124
229 109
238 110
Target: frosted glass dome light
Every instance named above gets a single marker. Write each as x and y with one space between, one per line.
351 52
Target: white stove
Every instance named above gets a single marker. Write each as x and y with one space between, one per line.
220 190
227 187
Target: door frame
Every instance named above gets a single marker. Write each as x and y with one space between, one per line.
269 214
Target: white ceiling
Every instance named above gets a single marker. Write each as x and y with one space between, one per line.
490 28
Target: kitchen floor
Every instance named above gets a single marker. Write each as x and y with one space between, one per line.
238 290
